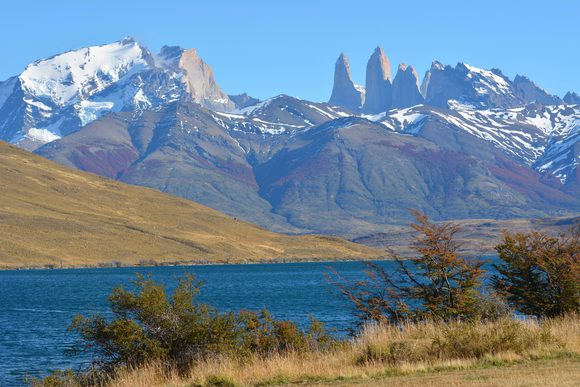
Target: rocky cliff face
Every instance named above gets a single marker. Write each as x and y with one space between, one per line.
442 86
531 92
406 91
201 83
470 85
572 98
243 100
378 85
344 91
481 88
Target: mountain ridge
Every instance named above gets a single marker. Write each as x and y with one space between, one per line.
469 142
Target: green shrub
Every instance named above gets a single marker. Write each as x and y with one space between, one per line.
540 274
57 378
149 326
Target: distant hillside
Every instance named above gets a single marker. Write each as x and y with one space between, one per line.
54 216
477 237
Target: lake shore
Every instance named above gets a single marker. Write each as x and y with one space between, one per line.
274 261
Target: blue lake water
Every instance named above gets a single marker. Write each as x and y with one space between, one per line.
36 306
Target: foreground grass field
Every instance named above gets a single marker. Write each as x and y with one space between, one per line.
506 352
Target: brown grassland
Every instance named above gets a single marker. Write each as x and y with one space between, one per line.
506 352
52 216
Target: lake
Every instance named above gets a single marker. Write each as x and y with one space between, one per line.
36 306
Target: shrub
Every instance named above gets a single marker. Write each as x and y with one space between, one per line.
436 283
151 326
540 274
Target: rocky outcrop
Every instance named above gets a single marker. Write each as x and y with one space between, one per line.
201 83
243 100
572 98
345 92
406 88
378 96
425 83
530 92
169 57
470 85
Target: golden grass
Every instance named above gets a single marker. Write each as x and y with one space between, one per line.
54 216
531 354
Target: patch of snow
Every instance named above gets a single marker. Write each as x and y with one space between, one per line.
319 110
141 100
488 81
231 116
75 75
41 135
374 117
89 111
337 113
248 110
37 104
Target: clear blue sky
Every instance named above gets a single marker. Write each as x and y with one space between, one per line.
272 47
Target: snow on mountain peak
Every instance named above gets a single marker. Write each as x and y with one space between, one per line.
487 80
76 75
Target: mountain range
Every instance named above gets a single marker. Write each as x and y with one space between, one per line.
463 143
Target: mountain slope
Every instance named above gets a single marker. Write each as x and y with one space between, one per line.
293 165
352 173
52 215
189 151
545 138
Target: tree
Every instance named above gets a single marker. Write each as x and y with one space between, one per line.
436 283
540 274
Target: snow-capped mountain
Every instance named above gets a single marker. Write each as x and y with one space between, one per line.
468 143
57 96
542 137
469 85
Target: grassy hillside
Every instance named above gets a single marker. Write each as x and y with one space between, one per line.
54 216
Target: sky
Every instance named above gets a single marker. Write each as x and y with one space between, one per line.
266 48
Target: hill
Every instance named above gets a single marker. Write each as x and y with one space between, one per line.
52 216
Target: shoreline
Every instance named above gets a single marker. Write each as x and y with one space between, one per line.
185 264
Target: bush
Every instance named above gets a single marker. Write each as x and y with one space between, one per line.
151 326
540 274
435 284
